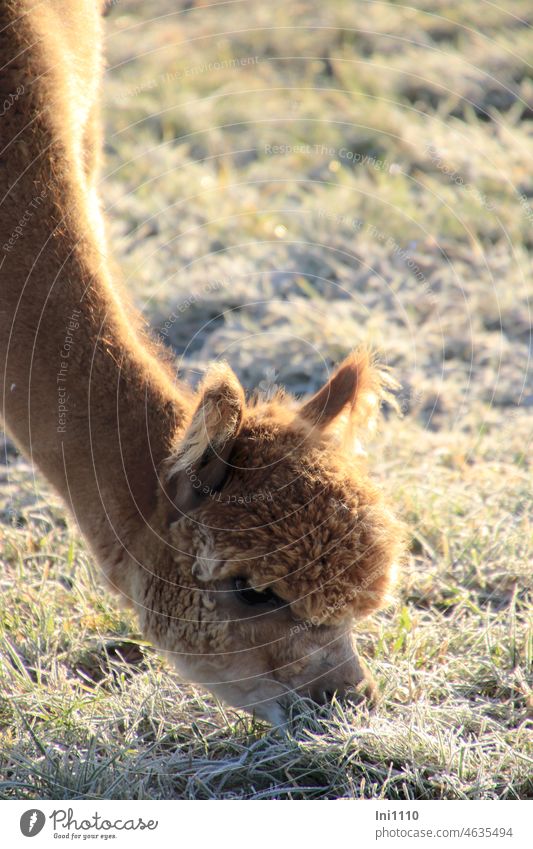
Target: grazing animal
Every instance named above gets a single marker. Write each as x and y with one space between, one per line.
246 535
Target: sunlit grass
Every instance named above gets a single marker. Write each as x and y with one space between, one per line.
395 209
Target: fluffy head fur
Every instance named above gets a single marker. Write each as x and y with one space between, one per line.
288 504
272 498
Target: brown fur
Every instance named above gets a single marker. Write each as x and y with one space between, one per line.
177 494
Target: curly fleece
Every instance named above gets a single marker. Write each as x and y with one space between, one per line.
304 519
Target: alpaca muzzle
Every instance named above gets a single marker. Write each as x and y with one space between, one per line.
350 681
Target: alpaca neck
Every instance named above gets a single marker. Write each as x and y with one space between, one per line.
83 393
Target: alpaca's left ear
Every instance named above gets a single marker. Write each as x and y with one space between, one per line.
351 396
200 466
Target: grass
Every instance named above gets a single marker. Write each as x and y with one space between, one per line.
293 188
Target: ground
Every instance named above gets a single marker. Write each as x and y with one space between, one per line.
284 181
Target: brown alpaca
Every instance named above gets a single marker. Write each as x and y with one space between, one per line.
247 536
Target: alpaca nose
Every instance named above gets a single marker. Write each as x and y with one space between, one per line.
351 681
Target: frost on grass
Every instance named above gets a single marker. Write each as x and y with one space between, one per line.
276 213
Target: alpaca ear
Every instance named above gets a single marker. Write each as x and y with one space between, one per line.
200 466
351 397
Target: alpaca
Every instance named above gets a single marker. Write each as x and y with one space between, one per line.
247 536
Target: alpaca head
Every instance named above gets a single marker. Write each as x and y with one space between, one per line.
279 541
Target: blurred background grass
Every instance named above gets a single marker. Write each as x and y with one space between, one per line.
283 181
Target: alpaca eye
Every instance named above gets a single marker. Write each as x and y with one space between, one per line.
249 596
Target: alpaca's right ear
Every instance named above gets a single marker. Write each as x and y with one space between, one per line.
350 400
201 463
354 384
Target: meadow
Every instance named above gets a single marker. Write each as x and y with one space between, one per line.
283 181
